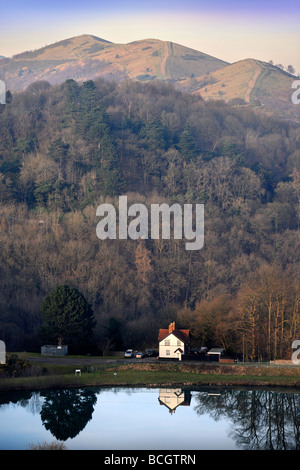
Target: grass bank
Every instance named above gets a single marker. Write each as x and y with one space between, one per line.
158 375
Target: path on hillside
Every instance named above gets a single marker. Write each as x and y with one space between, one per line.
164 60
251 84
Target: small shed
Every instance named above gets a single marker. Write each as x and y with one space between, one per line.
214 354
54 350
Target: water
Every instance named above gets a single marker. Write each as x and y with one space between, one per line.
151 419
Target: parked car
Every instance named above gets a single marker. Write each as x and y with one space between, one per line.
129 353
140 355
151 353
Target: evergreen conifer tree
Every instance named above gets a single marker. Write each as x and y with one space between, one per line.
67 317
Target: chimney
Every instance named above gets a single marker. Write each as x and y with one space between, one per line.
171 327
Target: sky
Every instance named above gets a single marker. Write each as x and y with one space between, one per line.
229 30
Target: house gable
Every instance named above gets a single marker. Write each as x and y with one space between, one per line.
182 335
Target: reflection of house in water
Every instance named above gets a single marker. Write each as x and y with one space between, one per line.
174 397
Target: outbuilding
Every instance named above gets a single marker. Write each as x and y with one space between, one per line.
53 350
215 354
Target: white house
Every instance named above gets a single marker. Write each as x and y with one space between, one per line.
173 342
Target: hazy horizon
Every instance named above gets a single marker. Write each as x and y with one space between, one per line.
227 30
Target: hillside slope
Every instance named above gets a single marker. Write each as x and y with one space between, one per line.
257 83
88 57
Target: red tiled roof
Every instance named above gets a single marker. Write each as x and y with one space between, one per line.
183 335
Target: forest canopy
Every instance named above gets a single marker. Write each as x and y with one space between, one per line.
66 149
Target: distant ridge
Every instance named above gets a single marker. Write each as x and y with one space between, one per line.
248 82
76 46
88 57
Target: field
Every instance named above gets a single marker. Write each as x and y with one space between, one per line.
60 372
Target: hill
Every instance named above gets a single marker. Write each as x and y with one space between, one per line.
249 82
253 82
89 57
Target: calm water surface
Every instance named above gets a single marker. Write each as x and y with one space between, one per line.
151 419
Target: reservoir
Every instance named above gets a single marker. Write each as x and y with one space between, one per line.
151 419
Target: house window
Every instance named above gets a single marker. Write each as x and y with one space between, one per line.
167 342
178 342
167 352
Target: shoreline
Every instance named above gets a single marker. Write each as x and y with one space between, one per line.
155 375
295 387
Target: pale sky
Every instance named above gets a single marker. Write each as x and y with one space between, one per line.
229 30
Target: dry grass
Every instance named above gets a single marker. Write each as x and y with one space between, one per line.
48 446
216 369
157 374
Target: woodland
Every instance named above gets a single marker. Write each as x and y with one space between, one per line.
67 148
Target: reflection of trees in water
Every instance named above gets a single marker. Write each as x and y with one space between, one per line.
22 398
66 412
260 419
29 400
63 412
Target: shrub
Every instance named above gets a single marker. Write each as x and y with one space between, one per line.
48 446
